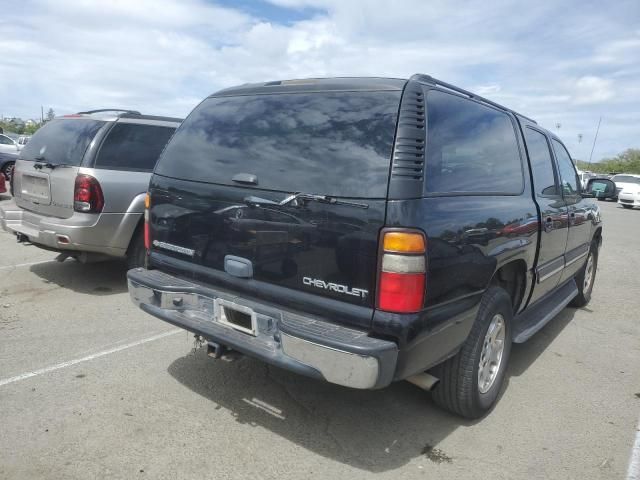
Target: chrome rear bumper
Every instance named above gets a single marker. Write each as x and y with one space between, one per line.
306 345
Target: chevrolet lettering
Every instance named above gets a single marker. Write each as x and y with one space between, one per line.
356 292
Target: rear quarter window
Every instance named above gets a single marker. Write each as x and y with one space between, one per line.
471 148
62 141
130 146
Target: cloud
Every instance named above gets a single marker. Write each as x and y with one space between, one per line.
165 57
590 90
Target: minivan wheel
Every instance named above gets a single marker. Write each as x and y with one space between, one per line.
136 253
470 382
586 277
7 170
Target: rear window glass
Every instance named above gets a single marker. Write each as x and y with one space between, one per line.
133 147
61 141
330 143
471 148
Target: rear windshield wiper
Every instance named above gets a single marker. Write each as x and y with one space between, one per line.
253 201
41 162
322 199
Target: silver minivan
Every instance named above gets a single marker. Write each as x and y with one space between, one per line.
79 184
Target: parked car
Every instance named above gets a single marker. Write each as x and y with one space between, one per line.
401 248
625 181
7 162
3 184
79 184
629 196
8 145
22 141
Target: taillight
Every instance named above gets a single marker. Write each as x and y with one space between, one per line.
147 232
87 195
403 272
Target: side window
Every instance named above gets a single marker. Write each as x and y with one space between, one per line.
133 147
544 179
568 176
471 148
5 140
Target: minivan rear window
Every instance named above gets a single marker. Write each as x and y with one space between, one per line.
329 143
61 141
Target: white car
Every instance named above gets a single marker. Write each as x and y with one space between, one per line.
625 181
629 196
8 145
22 141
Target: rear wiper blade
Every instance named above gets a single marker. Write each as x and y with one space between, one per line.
41 162
322 199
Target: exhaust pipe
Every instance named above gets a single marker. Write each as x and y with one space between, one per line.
423 380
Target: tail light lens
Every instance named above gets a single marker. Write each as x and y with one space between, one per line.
402 277
147 232
87 195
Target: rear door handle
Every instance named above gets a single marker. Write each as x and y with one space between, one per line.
548 224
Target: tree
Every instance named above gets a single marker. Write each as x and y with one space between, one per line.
50 114
625 162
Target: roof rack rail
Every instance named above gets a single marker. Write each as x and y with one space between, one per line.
100 110
423 78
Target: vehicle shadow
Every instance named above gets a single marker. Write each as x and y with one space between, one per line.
525 354
103 278
376 431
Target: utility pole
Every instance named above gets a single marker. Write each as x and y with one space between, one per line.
594 139
558 125
41 114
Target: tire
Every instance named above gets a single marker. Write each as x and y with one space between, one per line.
626 206
7 170
459 389
136 253
602 199
588 271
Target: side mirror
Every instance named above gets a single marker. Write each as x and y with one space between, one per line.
600 188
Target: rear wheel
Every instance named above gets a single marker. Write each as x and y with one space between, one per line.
136 253
7 170
470 382
586 278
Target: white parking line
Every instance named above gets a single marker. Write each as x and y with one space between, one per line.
6 267
633 472
52 368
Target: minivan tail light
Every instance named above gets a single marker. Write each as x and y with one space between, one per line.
403 272
147 231
87 195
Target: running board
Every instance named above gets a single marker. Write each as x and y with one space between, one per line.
538 315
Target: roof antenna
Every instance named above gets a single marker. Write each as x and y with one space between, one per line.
594 139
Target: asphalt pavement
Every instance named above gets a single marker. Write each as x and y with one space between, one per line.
91 387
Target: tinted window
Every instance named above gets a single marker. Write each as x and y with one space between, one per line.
61 141
5 140
336 143
568 177
470 148
133 147
544 181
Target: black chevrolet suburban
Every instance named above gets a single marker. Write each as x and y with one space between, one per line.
368 230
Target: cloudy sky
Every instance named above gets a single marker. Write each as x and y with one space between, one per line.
566 62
